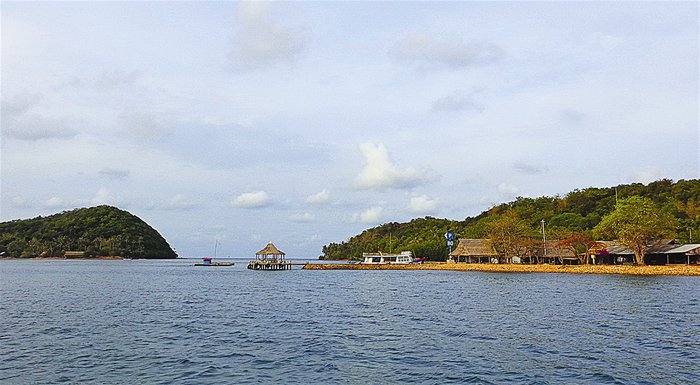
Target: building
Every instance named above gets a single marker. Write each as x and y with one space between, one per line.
270 253
664 252
474 251
555 254
269 258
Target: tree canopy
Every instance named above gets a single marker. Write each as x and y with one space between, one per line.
637 222
98 231
577 212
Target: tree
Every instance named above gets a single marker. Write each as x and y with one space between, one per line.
510 235
579 242
637 223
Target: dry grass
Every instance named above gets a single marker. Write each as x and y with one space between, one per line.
512 268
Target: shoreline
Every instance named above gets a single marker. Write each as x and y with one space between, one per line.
686 270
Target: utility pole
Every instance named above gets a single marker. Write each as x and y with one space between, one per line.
544 240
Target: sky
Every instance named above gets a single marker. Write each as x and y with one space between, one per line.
304 123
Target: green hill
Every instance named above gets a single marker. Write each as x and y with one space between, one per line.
579 210
98 231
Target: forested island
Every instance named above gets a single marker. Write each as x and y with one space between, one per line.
94 232
577 217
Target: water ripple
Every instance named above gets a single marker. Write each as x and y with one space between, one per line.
166 322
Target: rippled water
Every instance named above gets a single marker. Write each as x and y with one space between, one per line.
169 322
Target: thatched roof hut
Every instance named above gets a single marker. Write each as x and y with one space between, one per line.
558 254
270 253
474 250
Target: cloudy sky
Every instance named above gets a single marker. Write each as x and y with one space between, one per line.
306 122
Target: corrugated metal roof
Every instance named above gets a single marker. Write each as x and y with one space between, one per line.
663 247
684 249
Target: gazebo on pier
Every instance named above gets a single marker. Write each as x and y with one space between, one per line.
269 258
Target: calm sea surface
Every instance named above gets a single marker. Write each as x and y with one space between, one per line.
101 322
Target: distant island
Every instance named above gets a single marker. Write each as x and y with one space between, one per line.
95 232
573 216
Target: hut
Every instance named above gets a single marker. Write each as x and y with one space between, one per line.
74 254
556 254
688 254
663 252
474 251
269 258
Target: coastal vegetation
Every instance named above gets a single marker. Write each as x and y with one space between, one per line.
515 227
637 222
92 232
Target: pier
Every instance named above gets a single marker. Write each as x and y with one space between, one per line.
270 258
270 265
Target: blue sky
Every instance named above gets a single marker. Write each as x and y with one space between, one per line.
306 122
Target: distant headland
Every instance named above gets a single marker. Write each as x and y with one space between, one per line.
101 232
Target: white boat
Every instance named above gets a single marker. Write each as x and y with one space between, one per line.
405 257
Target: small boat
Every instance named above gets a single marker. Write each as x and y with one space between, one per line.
210 262
404 258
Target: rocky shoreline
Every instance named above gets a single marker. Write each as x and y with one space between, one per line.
688 270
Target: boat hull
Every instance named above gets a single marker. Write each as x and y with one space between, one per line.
215 264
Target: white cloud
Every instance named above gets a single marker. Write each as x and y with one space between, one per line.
251 200
20 120
19 104
508 189
305 217
54 203
647 175
259 41
20 202
527 168
179 202
422 205
103 197
114 173
450 51
36 127
458 102
105 81
144 126
320 197
373 215
381 173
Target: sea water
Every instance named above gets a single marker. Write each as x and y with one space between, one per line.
103 322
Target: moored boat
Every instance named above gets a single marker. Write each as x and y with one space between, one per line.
403 258
210 262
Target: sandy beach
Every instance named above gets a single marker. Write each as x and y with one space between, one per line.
693 270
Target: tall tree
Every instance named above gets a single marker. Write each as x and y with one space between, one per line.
637 222
510 235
